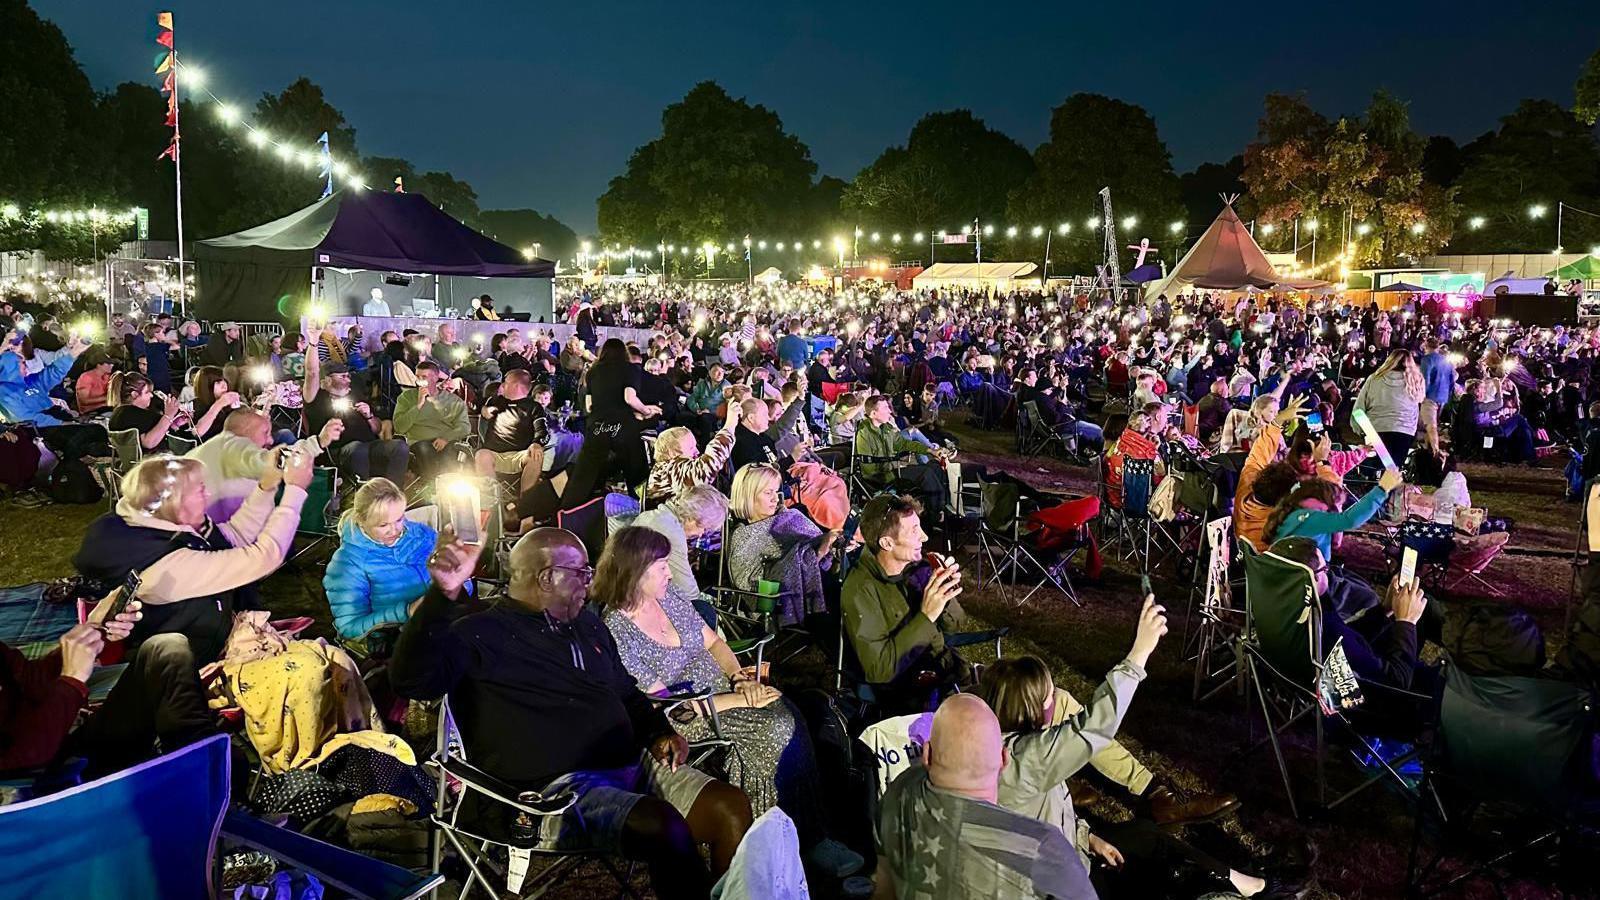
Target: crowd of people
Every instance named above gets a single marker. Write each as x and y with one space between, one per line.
780 445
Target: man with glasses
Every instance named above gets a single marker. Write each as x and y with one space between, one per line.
543 703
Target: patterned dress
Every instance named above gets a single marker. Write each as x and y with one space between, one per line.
772 760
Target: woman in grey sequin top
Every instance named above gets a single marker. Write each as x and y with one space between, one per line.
776 544
668 648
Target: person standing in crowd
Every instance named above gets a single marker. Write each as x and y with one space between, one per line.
1392 398
432 420
613 413
541 663
1439 380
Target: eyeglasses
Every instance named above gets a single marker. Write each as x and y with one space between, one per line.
584 574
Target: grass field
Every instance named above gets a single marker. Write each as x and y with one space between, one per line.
1362 848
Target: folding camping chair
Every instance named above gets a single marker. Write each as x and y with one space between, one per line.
457 779
593 521
1506 744
1215 643
319 517
152 831
1009 551
126 452
1433 541
1284 658
1135 526
1035 437
180 445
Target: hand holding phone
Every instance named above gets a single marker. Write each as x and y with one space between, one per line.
1408 566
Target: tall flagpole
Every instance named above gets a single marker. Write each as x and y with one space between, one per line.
177 177
167 64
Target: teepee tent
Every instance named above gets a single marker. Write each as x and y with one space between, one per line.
1227 258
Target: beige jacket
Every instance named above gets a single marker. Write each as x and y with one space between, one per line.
260 532
233 466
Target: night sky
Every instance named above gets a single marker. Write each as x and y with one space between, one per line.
540 104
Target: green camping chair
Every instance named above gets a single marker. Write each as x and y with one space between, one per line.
1283 657
1514 743
319 517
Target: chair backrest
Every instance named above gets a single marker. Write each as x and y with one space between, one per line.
1433 541
319 493
150 831
180 445
1514 738
588 522
1138 478
1284 615
1001 505
125 448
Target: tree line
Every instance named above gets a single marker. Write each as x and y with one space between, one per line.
1366 184
722 167
65 145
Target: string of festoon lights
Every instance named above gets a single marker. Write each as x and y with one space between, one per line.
229 114
856 243
94 215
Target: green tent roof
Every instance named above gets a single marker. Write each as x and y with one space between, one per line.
1587 268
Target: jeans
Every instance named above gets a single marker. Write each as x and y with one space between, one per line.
366 459
1089 433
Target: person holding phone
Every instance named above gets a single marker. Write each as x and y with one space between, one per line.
157 698
195 571
540 662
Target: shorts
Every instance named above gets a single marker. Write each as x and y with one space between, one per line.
606 797
510 462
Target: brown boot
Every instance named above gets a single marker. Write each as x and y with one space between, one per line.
1166 808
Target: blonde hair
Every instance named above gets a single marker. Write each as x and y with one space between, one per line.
667 443
748 483
1401 359
154 487
368 498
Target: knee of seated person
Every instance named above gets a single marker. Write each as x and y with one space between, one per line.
726 806
654 829
167 649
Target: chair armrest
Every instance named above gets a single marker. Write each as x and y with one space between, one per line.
492 787
968 638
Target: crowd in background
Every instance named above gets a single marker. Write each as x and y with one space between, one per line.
799 439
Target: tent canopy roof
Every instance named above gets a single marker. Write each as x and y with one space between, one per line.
374 230
1227 258
984 271
1587 269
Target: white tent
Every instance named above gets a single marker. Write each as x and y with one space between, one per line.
769 275
1000 276
1227 258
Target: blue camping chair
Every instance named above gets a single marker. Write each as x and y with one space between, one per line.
151 831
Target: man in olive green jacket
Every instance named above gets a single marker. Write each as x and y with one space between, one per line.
900 647
877 435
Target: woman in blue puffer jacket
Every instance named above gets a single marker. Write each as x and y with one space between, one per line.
380 570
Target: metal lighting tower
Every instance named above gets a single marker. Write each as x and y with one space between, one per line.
1112 271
